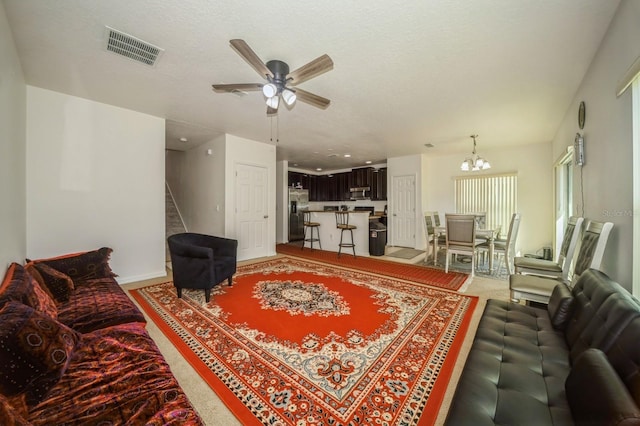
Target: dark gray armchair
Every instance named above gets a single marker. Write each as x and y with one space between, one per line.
201 261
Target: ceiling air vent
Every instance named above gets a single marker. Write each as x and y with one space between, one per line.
131 47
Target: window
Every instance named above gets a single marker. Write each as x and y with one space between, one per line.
635 110
496 195
632 79
563 180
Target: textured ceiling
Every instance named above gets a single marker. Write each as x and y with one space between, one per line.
406 73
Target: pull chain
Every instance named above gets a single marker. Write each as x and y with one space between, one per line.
277 129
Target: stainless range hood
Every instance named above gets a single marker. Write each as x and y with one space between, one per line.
360 193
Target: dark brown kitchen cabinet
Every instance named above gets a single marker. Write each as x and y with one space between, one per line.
296 178
332 188
313 188
322 182
361 177
379 185
320 188
336 187
342 186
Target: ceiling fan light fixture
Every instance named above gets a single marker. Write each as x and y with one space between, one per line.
273 102
288 96
269 90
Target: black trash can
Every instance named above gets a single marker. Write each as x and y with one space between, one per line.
377 238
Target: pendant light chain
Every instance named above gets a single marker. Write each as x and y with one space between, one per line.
277 129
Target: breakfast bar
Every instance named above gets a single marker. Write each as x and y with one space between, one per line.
330 235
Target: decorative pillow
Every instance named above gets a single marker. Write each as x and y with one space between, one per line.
46 304
8 278
21 286
35 351
57 283
82 266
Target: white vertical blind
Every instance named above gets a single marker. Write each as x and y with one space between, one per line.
496 195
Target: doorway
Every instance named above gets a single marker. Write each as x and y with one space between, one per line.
403 210
251 210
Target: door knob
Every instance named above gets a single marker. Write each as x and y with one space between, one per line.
266 216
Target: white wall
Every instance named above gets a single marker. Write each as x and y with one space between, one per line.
95 177
282 202
534 166
197 182
607 174
435 188
204 184
13 100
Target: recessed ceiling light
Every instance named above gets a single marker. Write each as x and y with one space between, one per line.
183 140
295 164
347 155
367 162
319 169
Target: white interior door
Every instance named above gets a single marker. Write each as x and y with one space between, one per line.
403 211
251 211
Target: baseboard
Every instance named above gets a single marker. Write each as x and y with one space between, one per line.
135 278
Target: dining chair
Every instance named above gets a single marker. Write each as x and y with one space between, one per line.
461 238
539 288
505 248
436 218
560 268
435 241
481 220
429 235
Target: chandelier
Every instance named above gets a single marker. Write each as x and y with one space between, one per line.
475 162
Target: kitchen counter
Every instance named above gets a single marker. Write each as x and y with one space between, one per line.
330 235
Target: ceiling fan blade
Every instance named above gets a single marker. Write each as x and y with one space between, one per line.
311 99
250 56
236 87
271 111
314 68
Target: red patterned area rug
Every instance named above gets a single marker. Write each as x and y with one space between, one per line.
418 273
301 343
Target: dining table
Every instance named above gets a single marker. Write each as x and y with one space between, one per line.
488 234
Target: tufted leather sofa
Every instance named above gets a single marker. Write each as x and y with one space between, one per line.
575 362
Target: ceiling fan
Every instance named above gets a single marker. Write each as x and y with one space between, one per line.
280 82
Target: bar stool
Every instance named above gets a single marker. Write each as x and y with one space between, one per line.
342 223
311 226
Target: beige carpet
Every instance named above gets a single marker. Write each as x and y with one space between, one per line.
214 412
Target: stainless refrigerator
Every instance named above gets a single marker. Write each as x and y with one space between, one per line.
298 202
